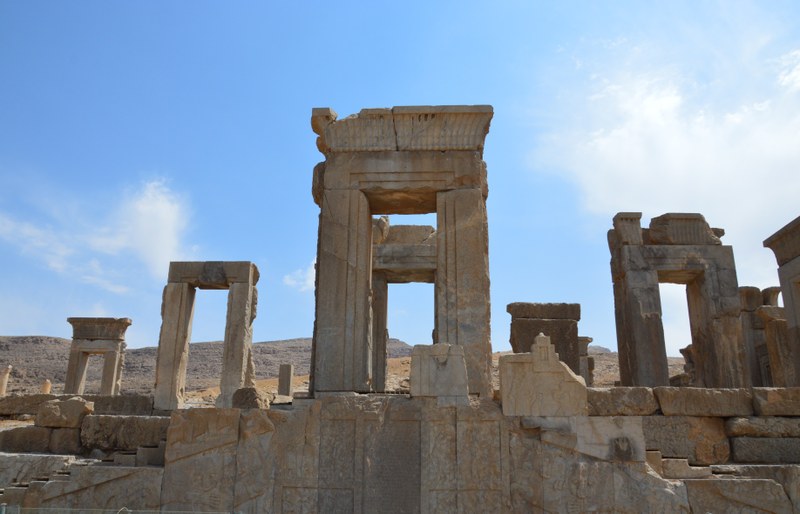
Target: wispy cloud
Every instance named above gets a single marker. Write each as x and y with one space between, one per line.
149 224
302 279
650 135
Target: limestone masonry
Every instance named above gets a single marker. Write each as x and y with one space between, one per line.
722 437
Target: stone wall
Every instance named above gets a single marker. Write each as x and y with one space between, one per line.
638 450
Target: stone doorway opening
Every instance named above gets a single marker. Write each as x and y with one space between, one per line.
410 318
208 333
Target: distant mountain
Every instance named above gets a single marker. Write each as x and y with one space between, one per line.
36 358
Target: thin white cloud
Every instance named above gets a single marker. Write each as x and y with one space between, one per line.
657 138
149 225
302 279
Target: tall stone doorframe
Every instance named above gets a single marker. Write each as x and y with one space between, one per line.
96 336
785 244
679 249
177 309
403 160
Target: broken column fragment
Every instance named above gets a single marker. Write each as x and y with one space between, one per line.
558 321
785 244
4 374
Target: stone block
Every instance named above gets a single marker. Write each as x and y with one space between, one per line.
545 310
621 401
786 475
695 401
612 438
123 432
538 384
24 468
766 450
743 495
65 441
680 469
106 488
251 398
285 379
124 404
25 439
440 371
763 427
63 413
563 335
681 229
701 440
774 401
201 453
24 404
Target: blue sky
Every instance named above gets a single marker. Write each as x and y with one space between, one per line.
135 133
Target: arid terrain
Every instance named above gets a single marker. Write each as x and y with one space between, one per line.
36 358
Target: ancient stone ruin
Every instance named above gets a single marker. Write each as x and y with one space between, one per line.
542 442
96 336
240 279
679 249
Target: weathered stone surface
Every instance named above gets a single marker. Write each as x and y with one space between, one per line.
742 495
123 432
23 404
124 404
611 438
695 401
766 450
571 311
681 229
63 413
680 468
770 401
200 457
253 487
251 398
672 251
563 335
101 487
439 371
763 427
621 401
25 439
538 384
5 372
23 468
701 440
285 380
785 243
65 441
786 475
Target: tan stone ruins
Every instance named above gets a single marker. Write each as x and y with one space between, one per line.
240 279
542 442
96 336
4 374
404 160
679 249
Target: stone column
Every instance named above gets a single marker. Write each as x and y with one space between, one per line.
109 382
783 355
640 334
344 264
380 335
75 382
4 374
238 344
46 386
177 310
462 281
286 380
